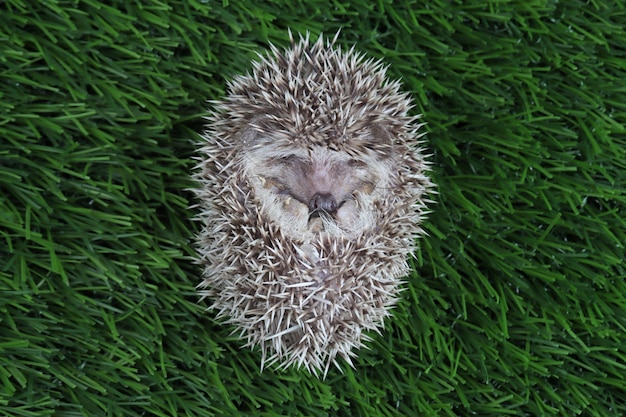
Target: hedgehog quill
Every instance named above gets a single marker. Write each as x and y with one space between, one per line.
312 186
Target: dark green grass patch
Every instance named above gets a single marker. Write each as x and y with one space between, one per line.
517 301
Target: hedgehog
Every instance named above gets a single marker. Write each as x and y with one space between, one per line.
312 186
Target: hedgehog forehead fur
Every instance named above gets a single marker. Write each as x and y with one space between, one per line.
312 189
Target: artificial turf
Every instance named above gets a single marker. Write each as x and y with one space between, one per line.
517 302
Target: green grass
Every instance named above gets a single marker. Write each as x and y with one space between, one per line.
517 303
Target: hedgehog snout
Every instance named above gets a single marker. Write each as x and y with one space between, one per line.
322 202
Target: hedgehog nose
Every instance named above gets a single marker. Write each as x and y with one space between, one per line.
322 202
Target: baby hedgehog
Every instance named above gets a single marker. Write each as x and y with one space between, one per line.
312 189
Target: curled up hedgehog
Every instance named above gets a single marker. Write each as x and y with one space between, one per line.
312 186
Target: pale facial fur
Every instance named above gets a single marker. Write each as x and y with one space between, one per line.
309 190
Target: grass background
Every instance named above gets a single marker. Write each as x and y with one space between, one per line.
517 303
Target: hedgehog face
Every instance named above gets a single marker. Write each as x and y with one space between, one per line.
314 189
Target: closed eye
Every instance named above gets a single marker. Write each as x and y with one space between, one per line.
291 160
355 164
